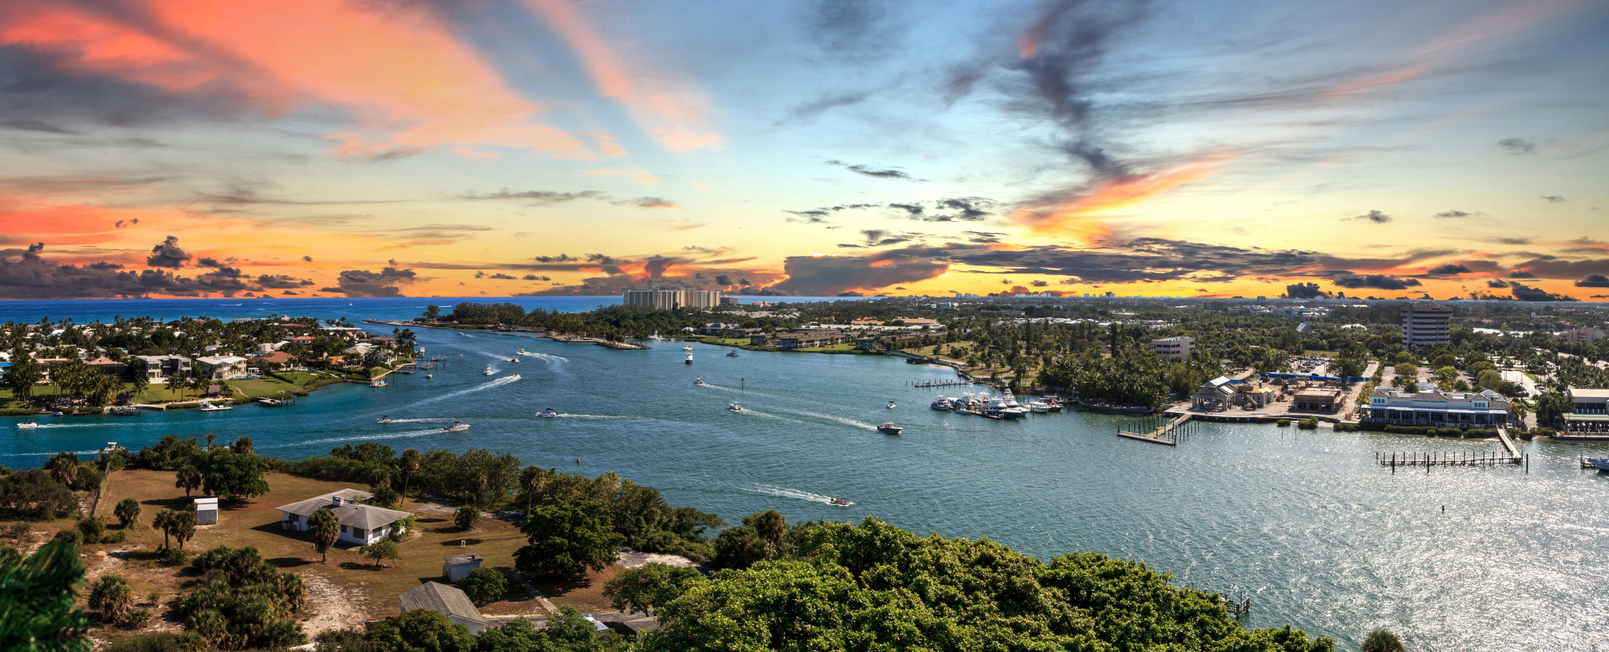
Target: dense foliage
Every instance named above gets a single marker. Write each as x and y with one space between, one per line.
36 494
36 601
242 601
568 537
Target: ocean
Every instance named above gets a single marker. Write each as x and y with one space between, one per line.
1303 522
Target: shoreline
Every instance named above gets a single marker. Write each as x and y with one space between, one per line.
499 329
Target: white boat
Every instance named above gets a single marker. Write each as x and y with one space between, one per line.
838 502
208 407
490 371
523 352
888 428
548 413
515 376
385 419
687 348
1038 407
688 359
698 381
734 407
27 425
429 376
456 427
941 403
377 383
891 405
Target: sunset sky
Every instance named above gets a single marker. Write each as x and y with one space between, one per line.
512 147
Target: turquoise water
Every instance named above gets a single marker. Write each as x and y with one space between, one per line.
1302 521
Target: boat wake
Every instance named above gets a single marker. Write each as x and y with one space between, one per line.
483 386
784 492
48 454
769 416
547 357
830 417
599 416
42 426
422 420
394 435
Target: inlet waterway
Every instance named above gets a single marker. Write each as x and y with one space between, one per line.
1304 522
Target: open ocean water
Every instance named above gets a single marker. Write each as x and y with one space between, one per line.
1302 521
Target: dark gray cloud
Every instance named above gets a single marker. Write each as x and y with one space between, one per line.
1454 214
533 277
876 173
1304 291
34 125
1550 267
281 281
33 276
648 202
1448 269
1496 283
537 196
954 209
307 259
881 238
1554 199
364 283
723 279
1374 281
1372 216
1593 281
820 276
1527 293
1517 146
40 92
1520 273
168 254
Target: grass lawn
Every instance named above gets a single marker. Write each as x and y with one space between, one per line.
836 348
360 587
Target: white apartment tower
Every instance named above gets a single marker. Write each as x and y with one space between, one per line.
1425 323
672 298
1174 348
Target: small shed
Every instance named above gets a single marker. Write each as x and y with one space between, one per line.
457 566
206 511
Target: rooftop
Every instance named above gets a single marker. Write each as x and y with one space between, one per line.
441 598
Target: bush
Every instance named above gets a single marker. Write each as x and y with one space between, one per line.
1346 427
484 585
171 556
73 538
92 527
1307 424
1283 423
136 618
1382 640
18 530
115 536
466 517
154 642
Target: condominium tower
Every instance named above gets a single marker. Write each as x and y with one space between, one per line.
1425 323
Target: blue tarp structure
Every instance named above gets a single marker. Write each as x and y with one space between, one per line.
1314 377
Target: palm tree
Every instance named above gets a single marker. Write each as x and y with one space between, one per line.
410 464
324 528
165 521
532 480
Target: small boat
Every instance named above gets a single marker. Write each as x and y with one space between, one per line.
1038 407
385 419
429 376
27 425
941 403
456 427
125 410
838 502
523 352
548 413
891 405
270 402
490 371
515 377
688 348
1601 462
734 407
688 360
698 381
377 383
731 354
208 407
888 428
514 360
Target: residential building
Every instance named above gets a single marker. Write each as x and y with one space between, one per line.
671 298
222 367
1425 324
788 341
1175 348
158 368
455 567
278 357
446 600
108 366
1432 407
1582 335
360 524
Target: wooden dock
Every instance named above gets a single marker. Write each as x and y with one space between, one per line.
1508 443
1159 434
944 383
1237 609
1427 460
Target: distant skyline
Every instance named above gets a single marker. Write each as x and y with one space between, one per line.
361 148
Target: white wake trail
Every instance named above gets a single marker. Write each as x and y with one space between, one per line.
830 417
395 435
784 492
484 386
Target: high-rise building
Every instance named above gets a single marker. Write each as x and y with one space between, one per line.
1425 323
1175 348
671 298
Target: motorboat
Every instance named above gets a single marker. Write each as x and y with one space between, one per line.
548 413
209 407
891 405
514 377
1038 407
377 383
490 371
456 427
125 410
688 360
525 353
1601 462
429 376
266 401
734 407
385 419
838 502
27 425
888 428
732 353
941 403
514 360
698 381
688 348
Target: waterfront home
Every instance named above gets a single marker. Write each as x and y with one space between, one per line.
280 358
360 524
222 367
1432 407
455 567
158 368
108 366
447 601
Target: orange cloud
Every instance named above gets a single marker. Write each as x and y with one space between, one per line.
670 110
410 84
1079 217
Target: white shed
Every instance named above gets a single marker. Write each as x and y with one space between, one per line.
206 511
455 567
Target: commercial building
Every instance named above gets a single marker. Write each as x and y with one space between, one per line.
1175 348
1582 335
1425 324
1433 407
672 298
1588 401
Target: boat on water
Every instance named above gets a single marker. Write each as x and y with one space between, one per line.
1601 462
688 359
888 428
429 376
734 407
731 354
891 405
384 419
525 353
1038 407
941 403
125 410
456 427
698 381
27 425
209 407
377 383
547 413
514 360
838 502
271 402
687 348
490 371
514 377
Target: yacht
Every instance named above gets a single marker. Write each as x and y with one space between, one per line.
688 360
1601 463
27 425
734 407
888 428
698 381
490 371
456 427
208 407
941 403
267 401
1038 407
548 413
377 383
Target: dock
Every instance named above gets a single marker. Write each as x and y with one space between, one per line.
1159 434
1587 464
1237 609
1511 455
944 383
1508 443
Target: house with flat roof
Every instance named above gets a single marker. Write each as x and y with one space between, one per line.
222 367
1432 407
446 600
158 368
1588 401
360 524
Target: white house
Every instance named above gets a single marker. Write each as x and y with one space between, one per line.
222 367
447 601
360 524
1432 407
455 567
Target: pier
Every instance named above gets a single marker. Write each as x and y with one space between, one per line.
1158 435
944 383
1511 455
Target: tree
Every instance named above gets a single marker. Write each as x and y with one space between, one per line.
484 585
421 630
532 481
139 380
243 446
25 373
324 529
1382 640
40 592
111 596
642 589
568 537
233 476
93 528
384 496
380 551
184 527
165 521
466 517
188 478
63 467
127 511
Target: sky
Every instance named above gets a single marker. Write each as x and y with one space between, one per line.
364 148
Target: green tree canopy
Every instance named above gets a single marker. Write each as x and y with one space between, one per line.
127 511
650 586
233 476
36 601
420 631
484 585
568 537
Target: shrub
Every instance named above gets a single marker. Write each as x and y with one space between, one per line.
92 527
136 618
73 538
466 517
484 585
115 536
111 596
1382 640
171 556
18 530
1307 424
127 512
1283 423
153 642
1346 427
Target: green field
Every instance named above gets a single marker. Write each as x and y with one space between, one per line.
241 390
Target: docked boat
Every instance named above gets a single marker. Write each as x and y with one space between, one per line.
27 425
838 502
456 427
941 403
266 401
698 381
891 405
384 419
1601 462
888 428
490 371
733 407
1038 407
209 407
123 410
547 414
377 383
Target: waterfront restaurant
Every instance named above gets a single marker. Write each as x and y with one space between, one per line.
1432 407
